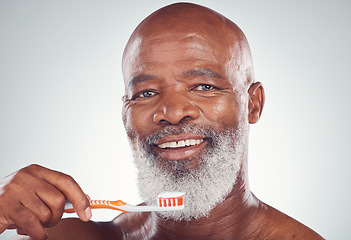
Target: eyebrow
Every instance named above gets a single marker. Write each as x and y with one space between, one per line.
203 72
140 78
191 73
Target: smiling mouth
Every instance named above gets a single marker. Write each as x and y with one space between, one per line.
180 144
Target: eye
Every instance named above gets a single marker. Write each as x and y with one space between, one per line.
147 94
204 87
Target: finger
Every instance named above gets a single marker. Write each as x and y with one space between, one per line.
69 187
39 208
88 197
8 225
3 227
55 202
29 224
20 231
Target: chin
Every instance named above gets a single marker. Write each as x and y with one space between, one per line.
206 179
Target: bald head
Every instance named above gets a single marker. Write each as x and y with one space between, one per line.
201 28
188 76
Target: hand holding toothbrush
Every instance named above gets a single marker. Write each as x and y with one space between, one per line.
34 197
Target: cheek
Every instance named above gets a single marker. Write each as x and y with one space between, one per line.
223 112
135 121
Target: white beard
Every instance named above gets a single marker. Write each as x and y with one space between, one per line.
205 185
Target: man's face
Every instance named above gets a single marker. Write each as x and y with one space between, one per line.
174 79
185 121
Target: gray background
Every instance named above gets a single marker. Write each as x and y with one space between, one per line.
61 88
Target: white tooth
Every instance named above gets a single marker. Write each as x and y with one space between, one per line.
165 145
181 143
173 144
198 141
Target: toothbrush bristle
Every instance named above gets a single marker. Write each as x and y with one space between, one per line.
170 199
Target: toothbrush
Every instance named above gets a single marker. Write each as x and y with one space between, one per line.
166 201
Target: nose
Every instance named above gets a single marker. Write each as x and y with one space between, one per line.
175 109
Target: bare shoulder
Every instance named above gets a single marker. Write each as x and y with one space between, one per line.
281 226
73 228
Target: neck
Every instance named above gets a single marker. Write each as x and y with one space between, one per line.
233 217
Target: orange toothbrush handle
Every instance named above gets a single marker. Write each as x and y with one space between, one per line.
96 204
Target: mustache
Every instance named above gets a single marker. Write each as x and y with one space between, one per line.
207 132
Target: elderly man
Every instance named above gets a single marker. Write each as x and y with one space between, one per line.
190 96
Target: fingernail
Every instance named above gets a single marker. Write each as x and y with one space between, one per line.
88 213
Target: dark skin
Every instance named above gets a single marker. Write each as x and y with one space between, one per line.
178 69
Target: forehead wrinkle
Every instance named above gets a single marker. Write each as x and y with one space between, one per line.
195 40
203 72
172 36
137 75
195 72
139 79
195 46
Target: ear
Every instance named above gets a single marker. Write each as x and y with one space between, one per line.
256 102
